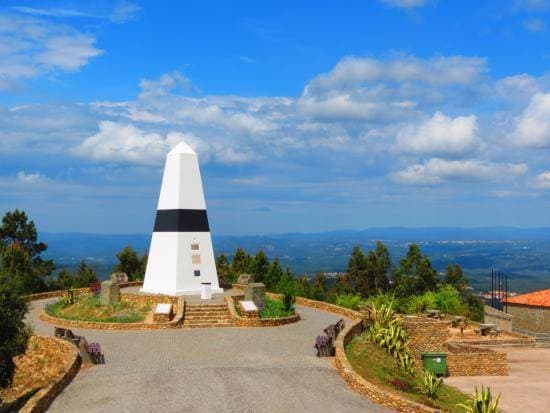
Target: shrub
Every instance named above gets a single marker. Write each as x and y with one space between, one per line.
447 300
288 300
482 402
381 299
352 301
13 332
430 384
275 309
418 304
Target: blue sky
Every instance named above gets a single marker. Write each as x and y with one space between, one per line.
306 117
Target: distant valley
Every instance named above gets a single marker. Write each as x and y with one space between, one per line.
524 254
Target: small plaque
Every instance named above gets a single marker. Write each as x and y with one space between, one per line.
163 308
245 279
248 306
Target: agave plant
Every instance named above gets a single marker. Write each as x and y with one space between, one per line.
430 384
482 402
69 297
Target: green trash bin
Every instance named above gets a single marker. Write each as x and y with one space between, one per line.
435 362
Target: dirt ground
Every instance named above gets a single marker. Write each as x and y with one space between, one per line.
525 389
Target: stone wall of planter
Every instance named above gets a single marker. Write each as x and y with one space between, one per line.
78 291
42 399
152 299
97 325
257 322
468 360
319 305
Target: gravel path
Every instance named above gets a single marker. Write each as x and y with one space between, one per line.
209 370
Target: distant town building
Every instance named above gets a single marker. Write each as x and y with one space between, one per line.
531 312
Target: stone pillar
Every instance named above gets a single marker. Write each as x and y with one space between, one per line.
255 292
110 293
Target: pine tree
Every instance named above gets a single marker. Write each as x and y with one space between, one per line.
274 274
415 274
85 275
65 279
260 267
303 287
224 270
359 274
383 264
130 263
455 276
241 262
319 288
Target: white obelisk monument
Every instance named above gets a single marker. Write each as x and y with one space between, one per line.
181 257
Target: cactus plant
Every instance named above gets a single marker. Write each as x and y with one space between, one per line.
482 402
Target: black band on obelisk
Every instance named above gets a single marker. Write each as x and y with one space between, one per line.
181 220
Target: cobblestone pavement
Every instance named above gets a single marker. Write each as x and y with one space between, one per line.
209 370
525 389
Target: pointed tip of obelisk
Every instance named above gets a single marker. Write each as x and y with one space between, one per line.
182 147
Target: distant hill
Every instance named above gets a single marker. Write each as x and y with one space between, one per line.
524 253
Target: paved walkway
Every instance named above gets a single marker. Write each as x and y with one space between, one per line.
525 389
209 370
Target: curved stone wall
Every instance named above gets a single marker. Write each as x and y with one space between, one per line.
257 322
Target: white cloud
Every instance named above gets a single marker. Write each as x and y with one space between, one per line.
535 25
31 46
437 171
125 11
121 143
542 180
31 178
532 127
56 12
406 4
439 135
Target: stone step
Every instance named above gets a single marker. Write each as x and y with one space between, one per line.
225 321
225 313
202 306
208 325
207 318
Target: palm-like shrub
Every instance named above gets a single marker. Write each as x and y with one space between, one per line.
482 402
384 329
430 384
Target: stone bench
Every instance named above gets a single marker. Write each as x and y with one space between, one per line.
163 313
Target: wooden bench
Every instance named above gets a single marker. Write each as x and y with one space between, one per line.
324 346
93 350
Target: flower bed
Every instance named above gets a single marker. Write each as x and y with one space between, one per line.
89 308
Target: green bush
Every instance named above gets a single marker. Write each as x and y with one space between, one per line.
14 334
352 301
379 300
275 309
482 403
448 301
418 304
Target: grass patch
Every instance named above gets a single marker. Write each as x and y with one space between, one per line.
377 366
275 309
89 308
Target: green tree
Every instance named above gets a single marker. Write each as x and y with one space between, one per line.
303 287
85 275
260 267
415 274
65 279
143 263
274 274
319 288
14 333
362 271
383 267
130 263
21 252
241 262
286 283
224 270
455 276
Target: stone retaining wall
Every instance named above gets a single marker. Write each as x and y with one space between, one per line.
42 399
425 334
152 299
493 316
96 325
59 293
364 387
468 360
257 322
319 305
